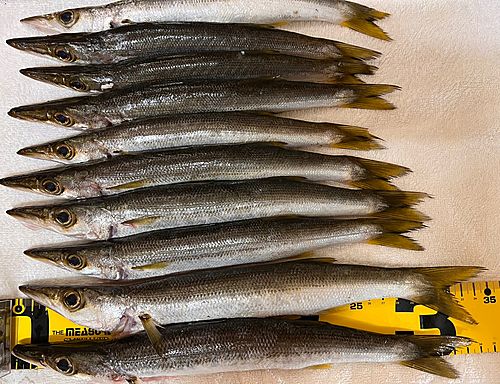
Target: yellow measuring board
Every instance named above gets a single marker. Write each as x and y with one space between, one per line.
480 299
33 323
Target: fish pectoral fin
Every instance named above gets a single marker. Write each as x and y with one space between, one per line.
151 267
132 185
154 335
320 366
435 365
141 221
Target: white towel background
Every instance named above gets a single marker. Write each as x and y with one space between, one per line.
446 57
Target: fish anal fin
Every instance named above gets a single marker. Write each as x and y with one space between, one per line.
141 221
395 240
154 335
377 184
366 27
152 266
132 185
320 366
301 256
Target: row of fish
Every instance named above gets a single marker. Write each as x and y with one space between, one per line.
206 207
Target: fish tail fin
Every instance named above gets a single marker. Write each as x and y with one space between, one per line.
376 184
376 103
437 295
352 67
347 79
407 214
362 19
397 199
395 240
380 169
431 347
355 52
356 138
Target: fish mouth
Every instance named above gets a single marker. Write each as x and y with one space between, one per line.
40 23
33 354
19 182
38 45
29 113
42 74
36 152
45 255
31 215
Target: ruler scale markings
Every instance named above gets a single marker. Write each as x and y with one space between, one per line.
474 289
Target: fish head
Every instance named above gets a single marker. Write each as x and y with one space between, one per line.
85 19
79 78
44 182
98 307
76 149
73 113
93 259
85 219
76 360
68 47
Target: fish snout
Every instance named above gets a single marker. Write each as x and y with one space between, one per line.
31 44
42 23
37 152
45 255
29 113
19 182
31 214
33 354
41 74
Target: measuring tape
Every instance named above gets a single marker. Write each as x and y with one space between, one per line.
398 316
33 323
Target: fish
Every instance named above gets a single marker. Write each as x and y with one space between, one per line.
219 245
201 66
242 344
211 202
112 108
189 164
297 287
161 39
200 129
97 18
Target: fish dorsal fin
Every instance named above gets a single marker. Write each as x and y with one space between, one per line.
151 267
141 221
132 185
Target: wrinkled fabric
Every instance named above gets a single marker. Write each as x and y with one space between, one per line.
445 56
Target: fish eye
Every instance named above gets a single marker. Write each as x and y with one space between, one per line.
64 366
52 187
64 151
75 261
66 17
73 300
78 85
64 55
64 218
63 119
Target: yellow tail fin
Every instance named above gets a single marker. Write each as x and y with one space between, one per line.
395 240
380 169
377 184
357 138
430 348
397 199
353 67
437 295
398 226
347 79
361 19
409 214
355 52
376 103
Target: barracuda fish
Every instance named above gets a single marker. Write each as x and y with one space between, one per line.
200 129
180 205
301 287
218 245
162 39
225 162
98 18
203 66
241 345
113 108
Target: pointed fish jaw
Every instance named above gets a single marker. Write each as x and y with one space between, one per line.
43 152
35 45
37 217
44 23
49 256
25 183
30 113
33 354
47 296
46 75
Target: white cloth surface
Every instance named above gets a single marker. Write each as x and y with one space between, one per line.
445 56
